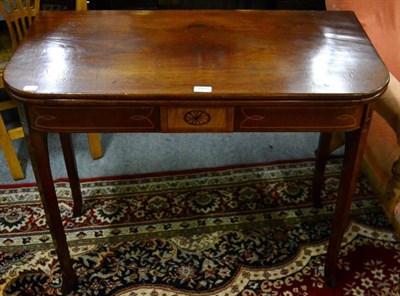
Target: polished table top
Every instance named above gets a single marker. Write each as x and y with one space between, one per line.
135 55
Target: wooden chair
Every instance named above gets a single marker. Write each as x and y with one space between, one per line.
81 5
19 16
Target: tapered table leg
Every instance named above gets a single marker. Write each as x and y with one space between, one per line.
38 149
323 153
355 142
70 163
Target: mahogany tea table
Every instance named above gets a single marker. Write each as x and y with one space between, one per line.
195 71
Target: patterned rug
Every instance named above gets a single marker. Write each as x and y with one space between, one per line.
230 231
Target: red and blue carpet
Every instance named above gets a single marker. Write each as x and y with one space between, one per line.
231 231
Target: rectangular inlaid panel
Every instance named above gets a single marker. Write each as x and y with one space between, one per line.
298 118
91 118
197 119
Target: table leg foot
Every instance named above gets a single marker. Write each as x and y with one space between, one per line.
77 212
330 277
69 284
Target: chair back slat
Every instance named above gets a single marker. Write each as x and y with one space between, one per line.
81 5
18 15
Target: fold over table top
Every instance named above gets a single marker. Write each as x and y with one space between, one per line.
135 55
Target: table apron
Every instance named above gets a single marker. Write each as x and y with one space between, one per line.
192 118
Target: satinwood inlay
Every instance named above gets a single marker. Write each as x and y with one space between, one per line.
197 117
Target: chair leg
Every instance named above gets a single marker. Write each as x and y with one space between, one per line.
9 153
95 145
